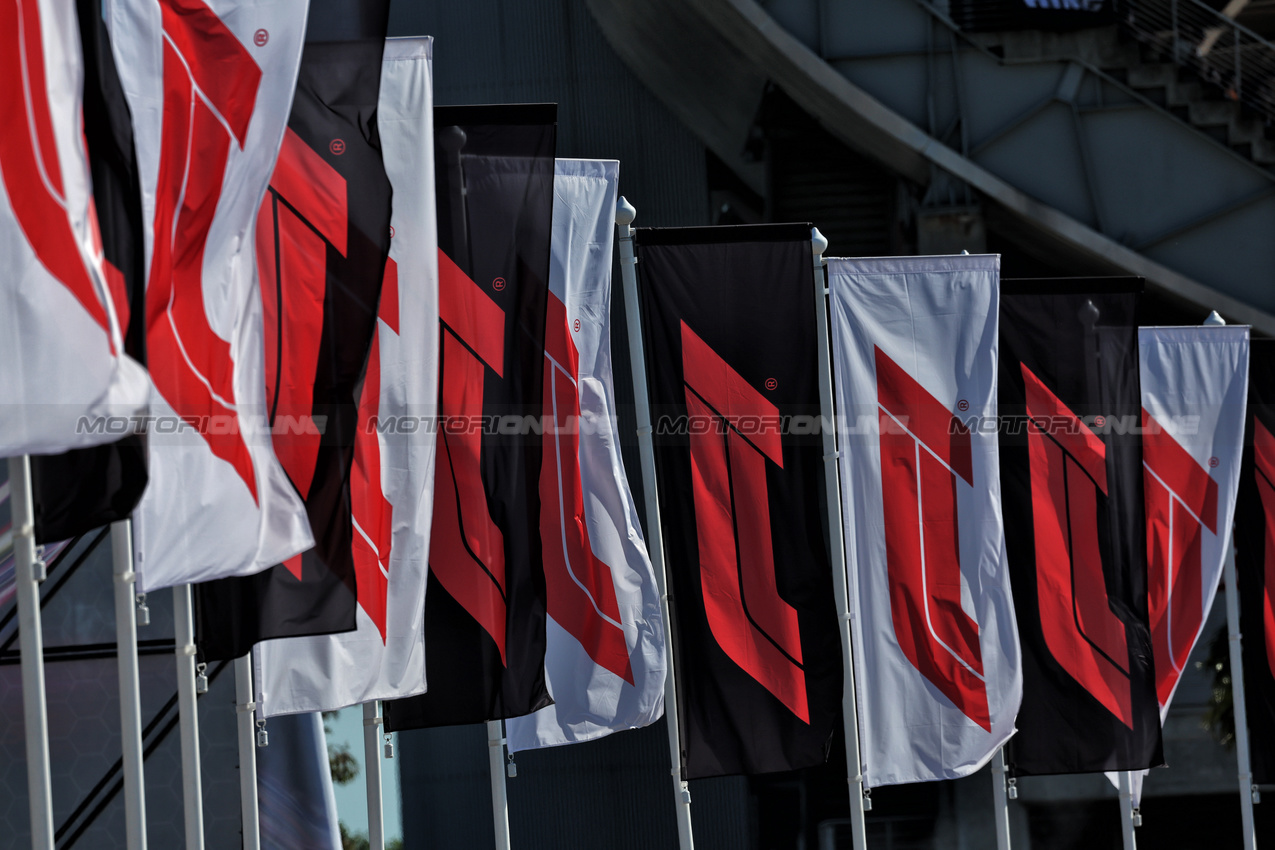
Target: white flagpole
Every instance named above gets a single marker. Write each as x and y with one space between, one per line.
837 547
188 714
624 215
1127 823
245 707
1001 800
372 757
1243 757
499 796
130 699
31 642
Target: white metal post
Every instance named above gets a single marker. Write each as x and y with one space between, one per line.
1126 811
499 796
1243 757
837 546
130 698
624 215
31 643
1001 800
1245 769
372 759
245 708
188 716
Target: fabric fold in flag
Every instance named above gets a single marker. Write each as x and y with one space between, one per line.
729 329
1075 531
937 660
323 232
391 483
67 381
485 601
605 653
1255 559
210 85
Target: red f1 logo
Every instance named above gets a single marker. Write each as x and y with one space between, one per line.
1068 472
210 92
579 586
1264 457
29 156
924 451
1181 498
467 548
734 432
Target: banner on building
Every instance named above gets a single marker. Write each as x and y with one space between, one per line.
729 326
937 662
61 338
605 636
485 602
1075 529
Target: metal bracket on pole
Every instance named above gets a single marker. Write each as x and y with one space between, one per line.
130 697
188 716
1127 812
860 799
1000 796
624 215
31 646
372 756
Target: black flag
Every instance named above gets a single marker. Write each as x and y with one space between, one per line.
1075 527
323 235
485 601
730 334
82 489
1255 558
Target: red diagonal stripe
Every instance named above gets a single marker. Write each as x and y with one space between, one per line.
471 314
219 64
923 415
1081 443
731 396
1189 481
315 189
368 506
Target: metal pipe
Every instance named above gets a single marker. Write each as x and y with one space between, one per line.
1243 763
130 698
1001 800
837 546
31 642
188 713
1126 812
499 795
245 708
372 757
624 215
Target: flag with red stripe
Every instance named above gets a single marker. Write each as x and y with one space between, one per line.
1075 530
1255 559
729 327
322 234
485 601
391 483
605 636
61 338
937 661
210 86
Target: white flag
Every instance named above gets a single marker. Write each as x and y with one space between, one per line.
209 84
937 664
392 483
65 377
1194 398
604 661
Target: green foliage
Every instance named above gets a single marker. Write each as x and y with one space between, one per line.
341 762
358 841
1219 718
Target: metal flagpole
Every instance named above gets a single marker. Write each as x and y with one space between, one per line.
1243 758
28 573
837 547
130 698
371 755
624 215
1126 812
499 796
188 714
1001 800
245 707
